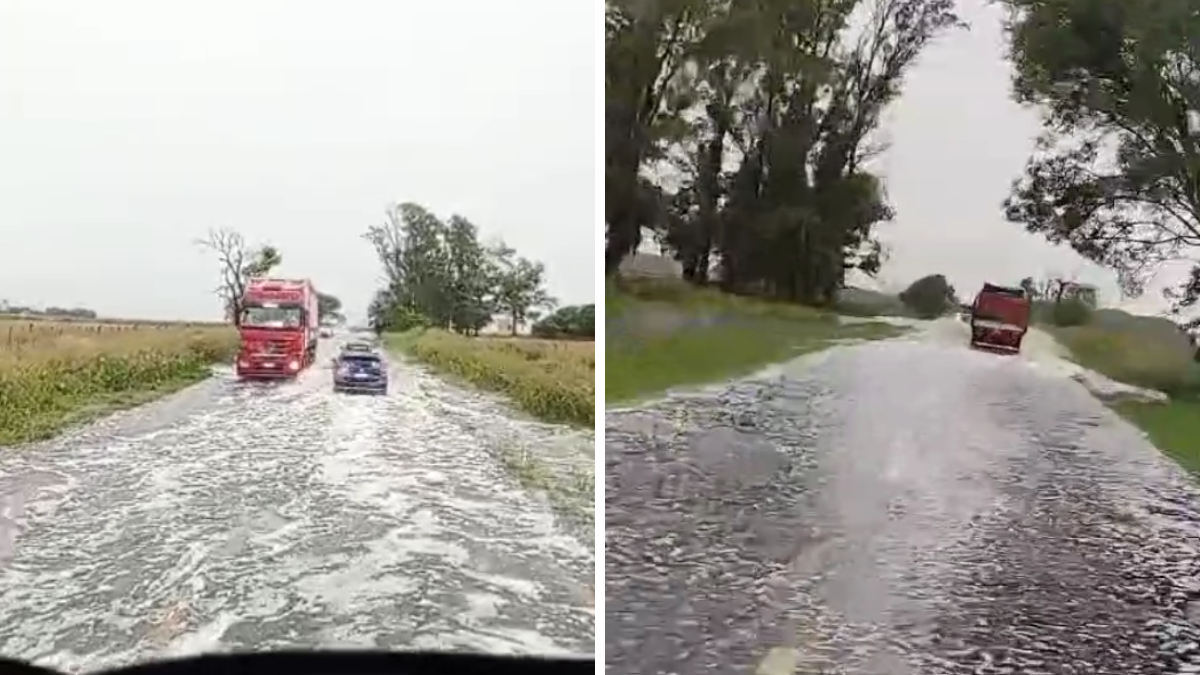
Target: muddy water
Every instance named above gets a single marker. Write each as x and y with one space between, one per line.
258 517
896 508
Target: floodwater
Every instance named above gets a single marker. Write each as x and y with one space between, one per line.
255 517
905 507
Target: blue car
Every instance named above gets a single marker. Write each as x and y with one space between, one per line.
360 371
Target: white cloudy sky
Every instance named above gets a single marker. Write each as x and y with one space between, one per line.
128 128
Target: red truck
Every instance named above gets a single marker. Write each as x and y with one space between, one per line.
279 328
1000 319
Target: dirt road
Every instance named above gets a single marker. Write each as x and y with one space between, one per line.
256 517
897 508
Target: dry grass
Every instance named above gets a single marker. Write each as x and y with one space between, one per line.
550 379
52 370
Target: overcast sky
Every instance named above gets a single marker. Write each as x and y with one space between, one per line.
128 129
957 142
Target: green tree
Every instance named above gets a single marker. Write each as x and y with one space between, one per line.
472 288
520 285
646 48
765 112
930 297
238 263
438 274
1116 172
410 245
573 321
329 307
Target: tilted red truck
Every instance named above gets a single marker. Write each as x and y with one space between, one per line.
1000 319
279 328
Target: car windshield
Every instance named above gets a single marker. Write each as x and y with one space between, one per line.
272 317
361 360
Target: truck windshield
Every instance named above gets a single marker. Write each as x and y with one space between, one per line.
272 317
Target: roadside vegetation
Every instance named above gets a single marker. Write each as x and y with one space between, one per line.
1144 351
553 380
481 314
55 373
661 334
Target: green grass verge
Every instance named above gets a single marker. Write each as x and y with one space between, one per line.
1173 427
79 411
1134 351
1133 357
637 369
749 335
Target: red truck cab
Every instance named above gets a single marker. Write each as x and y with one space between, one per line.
1000 318
278 327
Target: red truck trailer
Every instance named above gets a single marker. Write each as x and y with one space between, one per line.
1000 319
279 328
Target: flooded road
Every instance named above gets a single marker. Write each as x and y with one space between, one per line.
255 517
896 508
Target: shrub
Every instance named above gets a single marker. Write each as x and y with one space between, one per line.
930 297
575 321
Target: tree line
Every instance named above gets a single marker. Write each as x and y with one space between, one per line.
437 273
762 114
51 312
739 132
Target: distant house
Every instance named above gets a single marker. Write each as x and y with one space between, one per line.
650 261
1085 293
502 325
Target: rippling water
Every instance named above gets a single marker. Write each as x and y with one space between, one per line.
257 517
896 508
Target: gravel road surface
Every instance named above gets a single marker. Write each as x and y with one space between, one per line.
896 508
264 516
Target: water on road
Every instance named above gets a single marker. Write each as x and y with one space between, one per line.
897 508
255 517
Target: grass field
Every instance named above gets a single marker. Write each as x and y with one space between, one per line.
552 380
1145 352
664 334
56 373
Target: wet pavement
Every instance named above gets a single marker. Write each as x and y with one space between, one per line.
896 508
253 517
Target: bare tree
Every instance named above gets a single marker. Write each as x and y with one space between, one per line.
239 263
